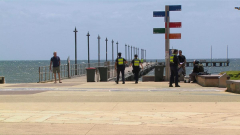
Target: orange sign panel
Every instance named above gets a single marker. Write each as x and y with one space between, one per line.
174 36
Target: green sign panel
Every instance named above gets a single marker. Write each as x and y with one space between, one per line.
158 30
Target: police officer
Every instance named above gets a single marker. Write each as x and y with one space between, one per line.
120 67
135 64
174 68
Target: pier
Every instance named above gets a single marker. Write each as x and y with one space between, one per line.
68 71
210 64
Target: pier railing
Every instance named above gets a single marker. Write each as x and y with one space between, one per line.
73 70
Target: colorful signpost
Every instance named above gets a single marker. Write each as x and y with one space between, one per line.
167 33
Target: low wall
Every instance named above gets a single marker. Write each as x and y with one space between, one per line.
208 80
233 86
212 80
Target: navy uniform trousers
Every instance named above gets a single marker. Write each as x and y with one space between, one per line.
174 73
122 72
136 74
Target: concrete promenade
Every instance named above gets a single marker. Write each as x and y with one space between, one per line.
105 108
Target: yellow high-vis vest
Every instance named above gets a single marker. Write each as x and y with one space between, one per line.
136 62
171 58
120 61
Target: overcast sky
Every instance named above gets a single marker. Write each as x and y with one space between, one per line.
32 30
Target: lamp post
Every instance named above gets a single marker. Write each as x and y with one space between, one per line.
131 52
134 50
112 52
145 55
98 49
117 48
75 50
88 48
125 51
128 53
138 51
106 48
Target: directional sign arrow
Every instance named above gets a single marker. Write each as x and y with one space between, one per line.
158 13
174 36
158 30
175 7
174 25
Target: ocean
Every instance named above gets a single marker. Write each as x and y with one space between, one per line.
26 71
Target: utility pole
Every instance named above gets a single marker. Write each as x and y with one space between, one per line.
88 49
106 48
98 49
75 50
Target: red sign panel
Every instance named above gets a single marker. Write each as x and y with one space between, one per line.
174 36
174 25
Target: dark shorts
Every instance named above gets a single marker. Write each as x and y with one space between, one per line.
56 69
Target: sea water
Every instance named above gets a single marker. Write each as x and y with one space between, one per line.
26 71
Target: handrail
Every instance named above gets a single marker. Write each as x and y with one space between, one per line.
68 71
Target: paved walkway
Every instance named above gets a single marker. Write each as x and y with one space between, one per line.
106 108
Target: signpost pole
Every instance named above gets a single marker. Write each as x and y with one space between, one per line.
167 31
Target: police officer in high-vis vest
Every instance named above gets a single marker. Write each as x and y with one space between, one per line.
174 68
135 64
120 67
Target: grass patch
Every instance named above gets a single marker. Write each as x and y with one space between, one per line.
234 75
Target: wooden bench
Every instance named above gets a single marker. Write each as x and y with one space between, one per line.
233 86
212 80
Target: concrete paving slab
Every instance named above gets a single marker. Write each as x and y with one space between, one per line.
108 108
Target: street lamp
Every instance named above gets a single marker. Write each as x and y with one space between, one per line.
98 49
88 49
75 50
106 48
112 52
117 48
125 51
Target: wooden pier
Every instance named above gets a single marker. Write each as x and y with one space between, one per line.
210 64
206 63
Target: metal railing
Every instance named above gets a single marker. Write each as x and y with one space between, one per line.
68 71
74 70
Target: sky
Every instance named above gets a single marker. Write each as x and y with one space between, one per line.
33 30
